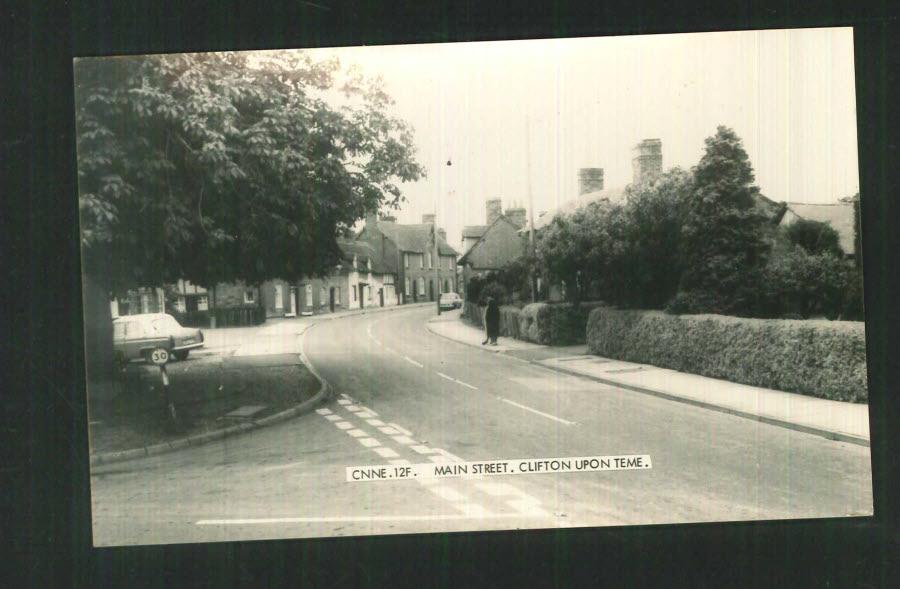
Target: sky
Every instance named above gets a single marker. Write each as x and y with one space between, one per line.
521 117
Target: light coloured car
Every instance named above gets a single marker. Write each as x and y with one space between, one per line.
450 300
153 337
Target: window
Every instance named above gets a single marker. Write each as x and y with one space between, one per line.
337 296
249 297
180 304
309 301
406 260
323 297
422 286
447 285
389 279
421 261
429 259
407 287
279 297
203 303
145 303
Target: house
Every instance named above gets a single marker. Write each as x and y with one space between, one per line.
362 279
409 249
194 305
839 216
499 243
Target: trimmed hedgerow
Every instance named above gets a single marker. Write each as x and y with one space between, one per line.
818 358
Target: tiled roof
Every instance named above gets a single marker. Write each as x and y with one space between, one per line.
838 215
414 238
363 251
475 231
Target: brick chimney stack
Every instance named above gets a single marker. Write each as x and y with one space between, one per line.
493 210
442 233
646 161
428 219
371 220
517 215
590 180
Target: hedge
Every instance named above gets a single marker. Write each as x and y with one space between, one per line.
818 358
541 323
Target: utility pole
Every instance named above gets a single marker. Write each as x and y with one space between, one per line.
437 261
530 206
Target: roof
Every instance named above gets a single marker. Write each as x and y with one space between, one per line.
414 238
363 252
465 258
613 195
838 215
475 231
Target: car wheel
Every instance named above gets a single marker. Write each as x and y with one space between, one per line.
181 355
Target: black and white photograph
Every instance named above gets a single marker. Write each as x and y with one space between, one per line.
479 286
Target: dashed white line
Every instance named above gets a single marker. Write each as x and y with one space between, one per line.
333 417
353 408
375 422
411 361
368 442
344 401
442 375
386 452
405 440
422 449
541 413
344 424
388 430
366 413
356 433
323 411
397 427
452 457
465 384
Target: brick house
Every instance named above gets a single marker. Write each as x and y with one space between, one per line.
499 242
408 250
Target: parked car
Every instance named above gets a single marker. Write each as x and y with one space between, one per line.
139 336
450 300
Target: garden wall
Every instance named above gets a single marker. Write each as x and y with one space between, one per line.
818 358
541 323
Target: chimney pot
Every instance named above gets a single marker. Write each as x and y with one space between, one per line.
590 180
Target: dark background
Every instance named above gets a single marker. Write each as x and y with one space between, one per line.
45 521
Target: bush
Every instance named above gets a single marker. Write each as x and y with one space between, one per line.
540 323
816 358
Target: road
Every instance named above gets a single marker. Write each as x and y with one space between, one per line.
406 396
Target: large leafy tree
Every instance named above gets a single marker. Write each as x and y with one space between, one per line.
724 236
229 166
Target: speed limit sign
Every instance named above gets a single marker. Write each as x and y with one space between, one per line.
159 356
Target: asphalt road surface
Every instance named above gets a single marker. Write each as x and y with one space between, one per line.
406 396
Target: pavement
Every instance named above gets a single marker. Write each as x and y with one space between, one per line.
835 420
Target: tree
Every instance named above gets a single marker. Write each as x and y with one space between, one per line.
648 267
815 237
724 235
222 166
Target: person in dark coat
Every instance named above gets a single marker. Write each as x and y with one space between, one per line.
492 321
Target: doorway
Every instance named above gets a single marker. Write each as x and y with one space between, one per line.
331 299
294 302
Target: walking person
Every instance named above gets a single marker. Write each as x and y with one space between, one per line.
492 321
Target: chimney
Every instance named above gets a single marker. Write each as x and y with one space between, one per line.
646 161
518 216
493 210
428 219
372 220
590 180
442 233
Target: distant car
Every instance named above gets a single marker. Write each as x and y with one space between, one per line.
450 300
153 337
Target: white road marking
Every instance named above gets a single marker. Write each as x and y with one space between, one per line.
422 449
406 440
344 425
447 493
355 519
391 350
344 401
333 417
375 422
440 459
323 411
367 413
356 433
386 452
411 361
353 408
453 457
400 462
465 384
388 430
397 427
497 489
442 375
368 442
346 396
541 413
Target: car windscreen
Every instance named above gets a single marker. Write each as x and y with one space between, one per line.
164 325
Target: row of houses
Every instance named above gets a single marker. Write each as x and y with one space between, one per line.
505 236
385 264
